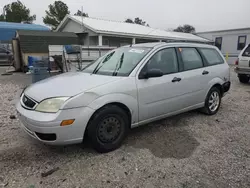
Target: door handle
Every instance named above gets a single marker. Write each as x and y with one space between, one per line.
175 79
205 72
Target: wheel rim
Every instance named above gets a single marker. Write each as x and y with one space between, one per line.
109 129
214 101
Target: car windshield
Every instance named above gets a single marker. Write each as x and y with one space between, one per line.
119 62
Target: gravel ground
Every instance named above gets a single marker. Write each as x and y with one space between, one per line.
186 151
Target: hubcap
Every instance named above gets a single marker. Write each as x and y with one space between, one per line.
109 129
214 101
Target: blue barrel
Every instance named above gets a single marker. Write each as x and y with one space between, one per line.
39 70
32 59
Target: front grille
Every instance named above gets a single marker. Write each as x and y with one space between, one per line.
28 102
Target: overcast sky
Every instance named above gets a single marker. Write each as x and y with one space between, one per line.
204 15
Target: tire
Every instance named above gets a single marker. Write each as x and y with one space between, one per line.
108 128
214 91
243 78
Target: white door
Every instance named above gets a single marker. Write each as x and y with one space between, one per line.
215 66
244 58
195 76
168 93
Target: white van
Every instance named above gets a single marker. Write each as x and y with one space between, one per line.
243 65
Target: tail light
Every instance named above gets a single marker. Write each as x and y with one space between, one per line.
237 62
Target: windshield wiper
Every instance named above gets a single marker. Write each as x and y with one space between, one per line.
101 63
118 65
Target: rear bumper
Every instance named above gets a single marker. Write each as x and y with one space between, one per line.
242 70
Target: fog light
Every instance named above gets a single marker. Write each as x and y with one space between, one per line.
67 122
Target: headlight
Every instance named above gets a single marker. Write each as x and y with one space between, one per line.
23 90
51 105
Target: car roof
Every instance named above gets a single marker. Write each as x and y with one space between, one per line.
172 44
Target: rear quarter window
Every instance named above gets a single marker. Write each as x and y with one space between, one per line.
246 53
212 56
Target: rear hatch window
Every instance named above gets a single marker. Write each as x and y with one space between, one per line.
246 53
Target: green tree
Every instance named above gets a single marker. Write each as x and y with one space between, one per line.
137 20
2 18
17 12
185 29
128 20
55 14
80 13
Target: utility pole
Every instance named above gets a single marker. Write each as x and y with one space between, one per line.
4 12
81 42
82 19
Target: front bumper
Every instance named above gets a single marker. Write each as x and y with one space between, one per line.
46 128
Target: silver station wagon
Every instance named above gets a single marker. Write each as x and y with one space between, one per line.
128 87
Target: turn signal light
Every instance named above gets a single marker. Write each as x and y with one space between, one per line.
67 122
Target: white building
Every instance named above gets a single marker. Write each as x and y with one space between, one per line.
99 32
229 41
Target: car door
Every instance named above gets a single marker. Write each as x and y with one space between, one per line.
3 56
161 95
194 77
244 58
215 66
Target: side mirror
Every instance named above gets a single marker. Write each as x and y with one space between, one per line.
152 73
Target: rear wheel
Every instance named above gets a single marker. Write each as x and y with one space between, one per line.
213 101
243 78
108 128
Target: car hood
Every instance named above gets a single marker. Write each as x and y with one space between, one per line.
67 84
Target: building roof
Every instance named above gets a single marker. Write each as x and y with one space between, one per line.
8 29
46 33
38 41
11 25
127 29
225 30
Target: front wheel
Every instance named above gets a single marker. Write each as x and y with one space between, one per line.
243 78
108 128
213 101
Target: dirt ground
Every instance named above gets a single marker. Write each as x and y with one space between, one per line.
185 151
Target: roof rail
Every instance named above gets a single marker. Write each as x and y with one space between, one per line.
189 41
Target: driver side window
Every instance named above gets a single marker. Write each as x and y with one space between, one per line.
164 60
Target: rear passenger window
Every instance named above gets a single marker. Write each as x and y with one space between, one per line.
191 58
247 52
212 56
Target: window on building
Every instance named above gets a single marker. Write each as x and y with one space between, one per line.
191 58
212 56
218 42
241 42
105 42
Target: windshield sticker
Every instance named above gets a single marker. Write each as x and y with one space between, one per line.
136 51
